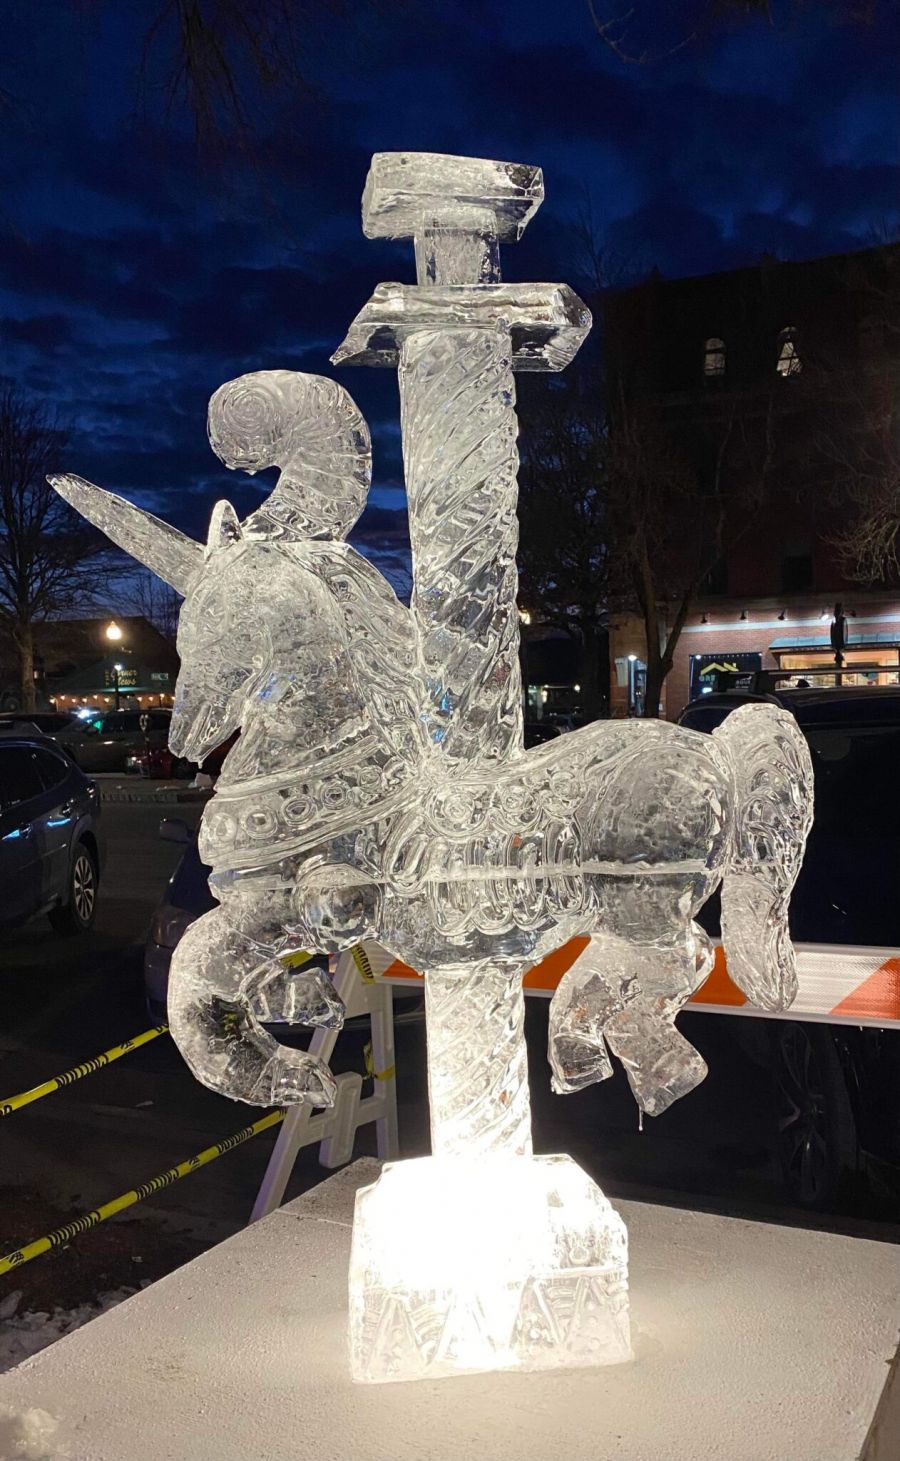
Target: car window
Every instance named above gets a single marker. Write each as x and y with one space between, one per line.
846 891
52 769
20 780
122 720
704 717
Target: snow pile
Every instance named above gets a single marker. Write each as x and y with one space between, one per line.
24 1334
29 1435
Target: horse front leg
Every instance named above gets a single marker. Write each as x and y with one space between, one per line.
223 983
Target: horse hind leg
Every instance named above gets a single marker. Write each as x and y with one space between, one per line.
623 997
222 984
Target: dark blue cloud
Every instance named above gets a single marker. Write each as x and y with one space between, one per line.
136 276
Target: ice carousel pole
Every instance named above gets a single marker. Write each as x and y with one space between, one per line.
456 337
482 1256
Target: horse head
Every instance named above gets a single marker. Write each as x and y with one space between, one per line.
228 635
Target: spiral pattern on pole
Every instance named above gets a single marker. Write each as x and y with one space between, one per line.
457 403
477 1059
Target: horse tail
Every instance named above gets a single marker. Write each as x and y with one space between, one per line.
773 810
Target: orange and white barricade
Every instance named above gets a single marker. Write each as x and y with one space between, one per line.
842 984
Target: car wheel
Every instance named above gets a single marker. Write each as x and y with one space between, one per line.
816 1130
78 913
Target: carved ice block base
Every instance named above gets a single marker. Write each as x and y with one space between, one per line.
462 1264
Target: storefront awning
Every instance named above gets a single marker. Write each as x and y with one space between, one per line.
888 639
100 679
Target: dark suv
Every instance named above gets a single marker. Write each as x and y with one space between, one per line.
102 740
50 842
837 1085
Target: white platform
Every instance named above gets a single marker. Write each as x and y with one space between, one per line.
753 1343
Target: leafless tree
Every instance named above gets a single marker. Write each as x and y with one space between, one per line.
50 559
222 59
855 409
157 602
645 32
563 568
620 512
678 505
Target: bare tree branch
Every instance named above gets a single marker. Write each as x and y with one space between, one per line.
51 561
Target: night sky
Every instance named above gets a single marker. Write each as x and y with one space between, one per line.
135 277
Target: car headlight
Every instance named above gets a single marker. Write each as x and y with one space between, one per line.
169 925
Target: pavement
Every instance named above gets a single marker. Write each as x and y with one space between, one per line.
65 1000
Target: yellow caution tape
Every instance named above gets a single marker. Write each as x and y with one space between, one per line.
61 1236
378 1075
294 960
87 1067
361 960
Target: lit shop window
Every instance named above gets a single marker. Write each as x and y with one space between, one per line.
714 357
789 362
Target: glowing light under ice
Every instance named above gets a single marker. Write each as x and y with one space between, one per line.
380 789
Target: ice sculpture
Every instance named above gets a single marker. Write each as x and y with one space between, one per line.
380 789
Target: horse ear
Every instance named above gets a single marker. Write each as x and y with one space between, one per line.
224 528
161 548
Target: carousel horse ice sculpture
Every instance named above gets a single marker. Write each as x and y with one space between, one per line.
380 789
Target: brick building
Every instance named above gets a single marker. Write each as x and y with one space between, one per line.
76 664
785 354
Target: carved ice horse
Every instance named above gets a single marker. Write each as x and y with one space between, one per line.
289 635
332 822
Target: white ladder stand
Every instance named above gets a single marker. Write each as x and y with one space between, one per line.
335 1129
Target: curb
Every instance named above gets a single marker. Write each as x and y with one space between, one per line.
158 796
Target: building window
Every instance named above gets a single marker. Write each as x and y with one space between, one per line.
714 357
789 362
796 573
715 581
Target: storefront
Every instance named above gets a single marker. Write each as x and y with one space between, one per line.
706 667
868 659
106 686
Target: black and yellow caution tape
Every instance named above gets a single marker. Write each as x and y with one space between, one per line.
295 960
87 1067
61 1236
9 1104
377 1075
361 960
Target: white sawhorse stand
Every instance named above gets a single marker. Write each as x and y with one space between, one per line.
336 1129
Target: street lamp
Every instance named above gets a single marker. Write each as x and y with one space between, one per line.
114 636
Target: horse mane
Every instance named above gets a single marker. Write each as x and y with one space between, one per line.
382 639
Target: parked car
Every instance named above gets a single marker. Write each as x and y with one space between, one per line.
51 849
70 732
187 897
120 734
102 741
837 1086
538 732
160 762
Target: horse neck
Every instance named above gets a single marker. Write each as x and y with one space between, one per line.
364 656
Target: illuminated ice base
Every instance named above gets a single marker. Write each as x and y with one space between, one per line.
463 1264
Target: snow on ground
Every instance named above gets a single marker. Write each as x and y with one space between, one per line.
24 1334
29 1435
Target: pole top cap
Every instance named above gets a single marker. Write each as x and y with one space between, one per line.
405 189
